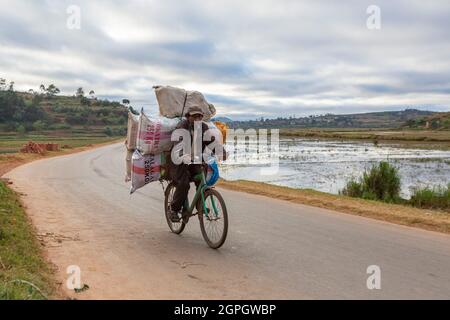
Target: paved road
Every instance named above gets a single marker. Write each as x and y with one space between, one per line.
85 217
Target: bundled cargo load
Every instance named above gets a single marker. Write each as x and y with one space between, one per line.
132 130
146 169
128 165
174 102
154 134
149 138
222 126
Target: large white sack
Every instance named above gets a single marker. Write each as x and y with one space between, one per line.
145 169
171 101
132 130
154 134
196 99
128 165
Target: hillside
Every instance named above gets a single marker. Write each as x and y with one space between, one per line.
30 112
387 119
438 121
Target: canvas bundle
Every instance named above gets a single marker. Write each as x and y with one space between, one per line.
175 102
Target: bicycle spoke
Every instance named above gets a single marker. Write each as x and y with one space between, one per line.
213 221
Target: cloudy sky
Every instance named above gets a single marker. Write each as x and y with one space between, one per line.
250 58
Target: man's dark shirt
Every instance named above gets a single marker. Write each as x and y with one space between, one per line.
185 124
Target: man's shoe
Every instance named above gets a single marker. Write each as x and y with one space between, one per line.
185 216
174 217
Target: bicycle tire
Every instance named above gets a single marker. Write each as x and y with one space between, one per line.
214 244
175 227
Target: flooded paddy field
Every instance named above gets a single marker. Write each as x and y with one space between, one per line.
327 165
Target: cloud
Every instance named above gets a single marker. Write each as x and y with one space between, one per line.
250 58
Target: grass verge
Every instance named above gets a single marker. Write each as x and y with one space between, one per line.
24 273
405 215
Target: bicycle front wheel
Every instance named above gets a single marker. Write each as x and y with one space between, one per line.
213 223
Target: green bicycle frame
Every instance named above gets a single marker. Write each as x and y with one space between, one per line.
200 192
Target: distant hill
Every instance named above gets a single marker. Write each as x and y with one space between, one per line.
437 121
385 119
23 111
222 119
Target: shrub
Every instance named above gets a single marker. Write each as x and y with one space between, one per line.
21 129
85 101
108 131
433 198
39 125
381 182
353 189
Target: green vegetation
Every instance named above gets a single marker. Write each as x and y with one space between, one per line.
46 117
46 111
431 198
381 182
439 121
24 274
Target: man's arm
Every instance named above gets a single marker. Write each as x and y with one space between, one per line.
218 145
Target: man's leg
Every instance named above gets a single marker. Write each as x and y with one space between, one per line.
193 171
181 179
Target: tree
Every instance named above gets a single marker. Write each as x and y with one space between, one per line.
11 86
42 88
92 94
80 92
12 107
52 90
2 84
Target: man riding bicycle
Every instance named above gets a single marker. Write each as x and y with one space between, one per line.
183 173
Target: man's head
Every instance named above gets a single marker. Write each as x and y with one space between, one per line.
194 114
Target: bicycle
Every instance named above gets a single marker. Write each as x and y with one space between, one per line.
211 211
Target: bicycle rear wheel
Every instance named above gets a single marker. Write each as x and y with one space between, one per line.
175 227
213 224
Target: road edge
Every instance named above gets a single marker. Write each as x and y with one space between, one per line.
430 220
56 292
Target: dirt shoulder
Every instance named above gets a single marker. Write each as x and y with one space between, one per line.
420 218
25 270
